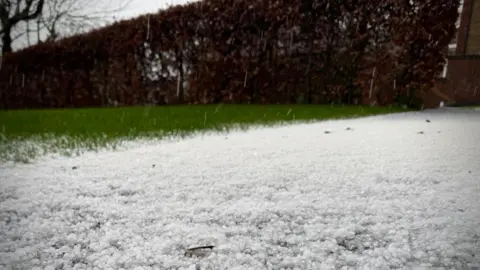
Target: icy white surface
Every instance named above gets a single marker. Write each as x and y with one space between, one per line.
379 196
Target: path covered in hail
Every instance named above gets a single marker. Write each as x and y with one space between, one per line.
381 192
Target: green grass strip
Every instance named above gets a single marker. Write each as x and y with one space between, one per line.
68 130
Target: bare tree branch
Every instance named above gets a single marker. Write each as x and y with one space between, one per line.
66 17
54 18
13 13
26 13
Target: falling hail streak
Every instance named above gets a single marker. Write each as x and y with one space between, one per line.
178 83
291 41
245 80
148 27
371 82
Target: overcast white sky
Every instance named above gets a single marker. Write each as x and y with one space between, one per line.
134 9
139 7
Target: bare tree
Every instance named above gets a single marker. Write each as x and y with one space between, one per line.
67 17
59 18
13 12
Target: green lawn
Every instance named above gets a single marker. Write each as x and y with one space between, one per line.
66 129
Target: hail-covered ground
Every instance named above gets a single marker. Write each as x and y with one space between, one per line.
385 192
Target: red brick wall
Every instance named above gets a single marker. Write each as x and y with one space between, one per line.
462 84
464 27
473 38
463 79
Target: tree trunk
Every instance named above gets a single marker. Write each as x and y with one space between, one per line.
7 39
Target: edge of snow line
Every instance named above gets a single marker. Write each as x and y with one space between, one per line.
49 146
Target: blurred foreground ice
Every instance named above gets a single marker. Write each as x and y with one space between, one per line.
392 191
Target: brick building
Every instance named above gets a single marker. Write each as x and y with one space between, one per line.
461 82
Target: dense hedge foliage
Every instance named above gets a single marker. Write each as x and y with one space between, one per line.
241 51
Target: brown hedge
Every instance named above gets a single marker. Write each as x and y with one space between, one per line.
241 51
